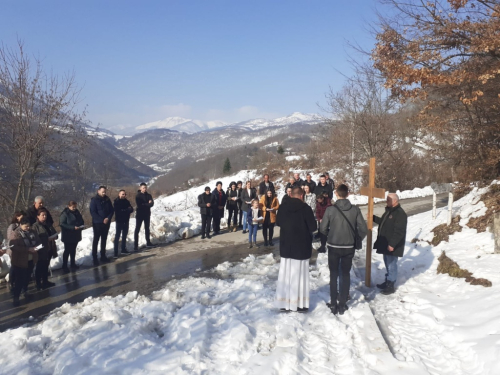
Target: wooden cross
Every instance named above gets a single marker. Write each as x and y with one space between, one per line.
371 192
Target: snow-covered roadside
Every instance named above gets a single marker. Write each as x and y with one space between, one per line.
444 323
224 325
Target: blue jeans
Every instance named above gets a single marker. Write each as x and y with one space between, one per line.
121 230
252 231
391 266
245 222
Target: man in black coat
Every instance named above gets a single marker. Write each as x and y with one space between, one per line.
391 240
123 210
265 185
292 183
144 202
309 182
287 196
247 195
207 204
322 187
296 221
239 187
330 181
32 211
298 181
339 224
101 210
220 199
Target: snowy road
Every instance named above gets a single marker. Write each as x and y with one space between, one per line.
147 271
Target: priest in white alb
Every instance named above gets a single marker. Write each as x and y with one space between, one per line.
297 223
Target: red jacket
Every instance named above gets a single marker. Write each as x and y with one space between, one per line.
321 208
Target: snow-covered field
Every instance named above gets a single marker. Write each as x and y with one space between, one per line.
227 324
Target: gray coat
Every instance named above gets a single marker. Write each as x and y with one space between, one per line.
338 232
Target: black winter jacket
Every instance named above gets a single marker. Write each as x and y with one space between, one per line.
32 216
203 199
68 221
263 188
123 210
338 232
391 231
142 203
233 194
312 185
222 202
320 189
296 221
101 208
44 231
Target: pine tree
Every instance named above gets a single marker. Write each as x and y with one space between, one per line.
280 150
227 166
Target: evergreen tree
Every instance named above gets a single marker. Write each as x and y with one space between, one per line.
227 166
280 150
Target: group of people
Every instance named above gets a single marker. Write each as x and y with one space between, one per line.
306 208
31 236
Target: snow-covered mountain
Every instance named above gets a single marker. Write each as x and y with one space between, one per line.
182 125
194 126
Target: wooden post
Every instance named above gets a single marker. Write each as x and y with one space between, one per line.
434 206
496 231
450 207
372 192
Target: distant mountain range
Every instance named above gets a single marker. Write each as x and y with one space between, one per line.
189 126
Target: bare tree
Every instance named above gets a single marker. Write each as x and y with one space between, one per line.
37 118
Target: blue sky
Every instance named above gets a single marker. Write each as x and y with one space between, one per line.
141 61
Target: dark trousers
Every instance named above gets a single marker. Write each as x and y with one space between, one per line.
121 230
42 272
240 221
69 252
233 210
138 223
268 226
218 214
20 277
340 260
206 221
323 238
101 231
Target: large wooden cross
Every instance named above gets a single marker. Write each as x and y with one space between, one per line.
372 192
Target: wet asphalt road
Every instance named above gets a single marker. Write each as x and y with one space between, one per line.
148 271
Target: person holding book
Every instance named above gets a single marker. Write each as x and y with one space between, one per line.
254 218
47 235
270 205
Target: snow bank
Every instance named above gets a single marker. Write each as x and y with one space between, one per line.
200 325
435 313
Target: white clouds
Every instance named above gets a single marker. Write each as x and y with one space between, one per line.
179 110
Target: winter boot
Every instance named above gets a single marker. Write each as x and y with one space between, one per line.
342 309
229 228
333 308
250 245
383 285
389 289
235 228
255 244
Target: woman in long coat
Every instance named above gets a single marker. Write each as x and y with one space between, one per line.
269 205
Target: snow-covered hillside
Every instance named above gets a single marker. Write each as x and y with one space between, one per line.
433 324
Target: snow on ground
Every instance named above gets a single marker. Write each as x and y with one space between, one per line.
224 322
204 325
444 323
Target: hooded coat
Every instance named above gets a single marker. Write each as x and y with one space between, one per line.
296 221
391 231
335 227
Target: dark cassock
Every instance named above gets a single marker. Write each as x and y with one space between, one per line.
296 221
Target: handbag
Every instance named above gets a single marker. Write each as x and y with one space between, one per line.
358 241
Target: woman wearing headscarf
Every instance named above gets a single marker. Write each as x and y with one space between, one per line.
270 205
